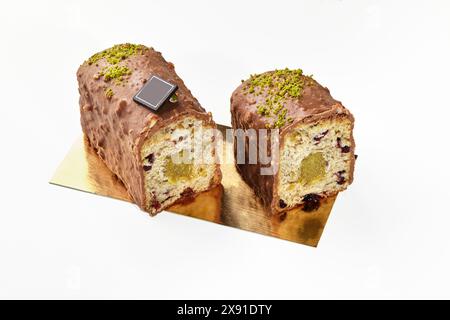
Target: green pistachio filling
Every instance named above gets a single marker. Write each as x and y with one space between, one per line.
279 86
312 168
176 172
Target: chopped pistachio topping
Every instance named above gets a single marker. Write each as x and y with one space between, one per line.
117 53
109 93
173 98
115 72
279 86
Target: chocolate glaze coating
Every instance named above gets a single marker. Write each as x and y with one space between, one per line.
116 127
315 104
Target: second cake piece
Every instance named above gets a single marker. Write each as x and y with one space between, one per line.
316 146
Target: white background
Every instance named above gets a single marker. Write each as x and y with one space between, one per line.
388 235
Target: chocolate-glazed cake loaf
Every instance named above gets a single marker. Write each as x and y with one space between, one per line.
140 145
316 146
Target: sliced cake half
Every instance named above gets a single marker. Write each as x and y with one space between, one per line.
315 156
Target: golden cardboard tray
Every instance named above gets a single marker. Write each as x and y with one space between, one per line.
233 204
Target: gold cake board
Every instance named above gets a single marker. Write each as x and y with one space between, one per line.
232 204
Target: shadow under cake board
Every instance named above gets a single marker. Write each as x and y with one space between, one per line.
232 204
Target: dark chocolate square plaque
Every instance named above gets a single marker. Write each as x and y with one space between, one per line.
155 92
